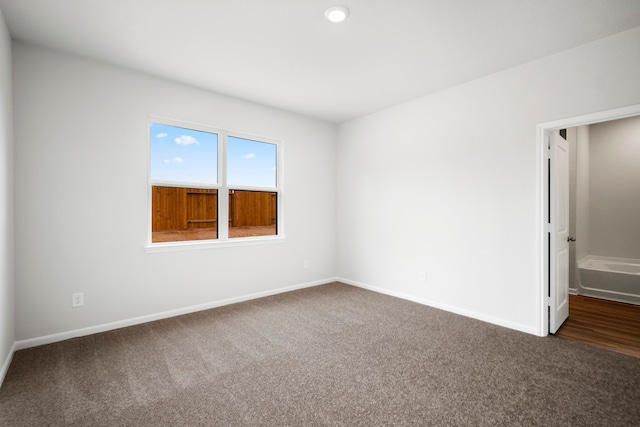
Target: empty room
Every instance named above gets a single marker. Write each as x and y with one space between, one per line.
238 212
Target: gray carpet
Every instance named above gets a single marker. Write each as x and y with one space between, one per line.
332 355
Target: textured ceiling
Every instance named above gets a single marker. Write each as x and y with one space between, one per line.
283 53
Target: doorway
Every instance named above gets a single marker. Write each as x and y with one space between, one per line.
549 270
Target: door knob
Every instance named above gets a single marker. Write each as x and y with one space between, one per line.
571 239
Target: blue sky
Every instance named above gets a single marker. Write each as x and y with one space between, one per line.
190 156
251 163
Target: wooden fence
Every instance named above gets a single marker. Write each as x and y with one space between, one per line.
180 208
177 208
247 208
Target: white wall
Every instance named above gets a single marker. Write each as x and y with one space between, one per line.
7 326
81 197
615 188
447 183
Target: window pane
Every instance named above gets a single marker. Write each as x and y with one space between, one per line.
180 158
183 155
251 163
252 213
180 213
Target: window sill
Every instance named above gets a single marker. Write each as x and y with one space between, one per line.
192 245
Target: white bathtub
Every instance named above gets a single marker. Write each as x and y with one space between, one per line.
617 279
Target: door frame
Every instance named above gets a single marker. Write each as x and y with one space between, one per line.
543 131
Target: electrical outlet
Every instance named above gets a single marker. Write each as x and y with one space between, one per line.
77 300
422 276
305 264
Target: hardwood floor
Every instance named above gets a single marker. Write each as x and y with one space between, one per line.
607 324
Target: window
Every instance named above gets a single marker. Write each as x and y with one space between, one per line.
210 184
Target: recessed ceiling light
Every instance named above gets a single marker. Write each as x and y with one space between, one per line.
336 13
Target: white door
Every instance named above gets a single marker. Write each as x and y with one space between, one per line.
558 231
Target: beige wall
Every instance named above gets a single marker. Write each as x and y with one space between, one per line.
572 139
582 192
614 182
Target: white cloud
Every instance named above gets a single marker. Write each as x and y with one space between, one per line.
249 156
186 140
166 161
162 135
178 159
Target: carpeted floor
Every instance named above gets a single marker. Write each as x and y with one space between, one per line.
331 355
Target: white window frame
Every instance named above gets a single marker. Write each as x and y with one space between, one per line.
223 239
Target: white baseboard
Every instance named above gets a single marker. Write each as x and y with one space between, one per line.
48 339
467 313
7 363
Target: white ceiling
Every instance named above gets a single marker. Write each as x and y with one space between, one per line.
283 53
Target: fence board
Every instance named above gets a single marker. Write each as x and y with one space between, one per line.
181 208
173 207
202 209
249 208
